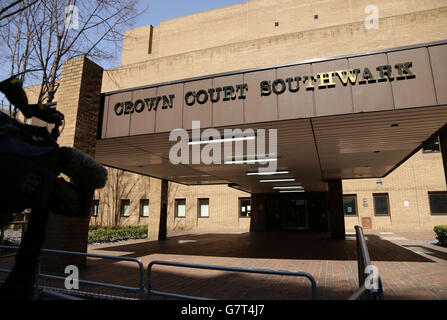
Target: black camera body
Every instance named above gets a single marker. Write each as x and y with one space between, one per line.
31 166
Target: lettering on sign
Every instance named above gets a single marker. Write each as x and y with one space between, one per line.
293 84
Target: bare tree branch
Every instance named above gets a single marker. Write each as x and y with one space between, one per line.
17 11
44 35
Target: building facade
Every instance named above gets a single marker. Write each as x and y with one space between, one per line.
258 34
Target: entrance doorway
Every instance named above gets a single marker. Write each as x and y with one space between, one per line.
293 213
296 216
288 214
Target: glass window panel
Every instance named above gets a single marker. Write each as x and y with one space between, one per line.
144 208
125 208
381 205
431 146
438 203
181 208
245 207
350 205
204 208
95 208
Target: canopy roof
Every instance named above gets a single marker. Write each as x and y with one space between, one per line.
356 116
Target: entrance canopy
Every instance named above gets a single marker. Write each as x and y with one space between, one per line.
356 116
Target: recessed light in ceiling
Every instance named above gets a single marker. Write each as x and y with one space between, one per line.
278 180
291 191
230 139
287 187
250 161
269 173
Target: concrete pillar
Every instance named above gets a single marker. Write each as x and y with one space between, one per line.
79 100
258 213
443 146
335 208
163 210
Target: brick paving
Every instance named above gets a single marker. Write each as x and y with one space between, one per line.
415 268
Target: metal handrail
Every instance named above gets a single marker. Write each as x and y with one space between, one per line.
364 261
141 289
211 267
57 295
358 293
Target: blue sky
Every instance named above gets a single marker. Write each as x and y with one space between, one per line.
160 10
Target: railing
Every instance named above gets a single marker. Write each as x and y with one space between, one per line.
62 294
54 295
230 269
141 290
365 272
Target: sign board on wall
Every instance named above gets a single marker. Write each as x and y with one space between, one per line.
364 83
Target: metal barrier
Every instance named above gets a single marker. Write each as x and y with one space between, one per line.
54 295
63 294
364 271
210 267
141 290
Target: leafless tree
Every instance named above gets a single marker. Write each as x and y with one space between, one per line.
14 7
43 35
16 35
120 186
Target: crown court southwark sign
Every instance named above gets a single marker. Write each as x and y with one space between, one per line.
386 80
293 83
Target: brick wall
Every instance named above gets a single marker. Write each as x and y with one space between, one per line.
223 208
407 188
239 37
244 36
78 100
127 186
223 205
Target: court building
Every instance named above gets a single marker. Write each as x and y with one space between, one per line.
349 102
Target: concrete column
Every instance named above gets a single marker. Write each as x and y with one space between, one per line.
443 145
163 210
335 208
78 98
258 213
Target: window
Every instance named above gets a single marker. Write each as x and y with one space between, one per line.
431 146
350 205
438 203
381 205
95 208
180 208
203 206
244 207
125 208
144 208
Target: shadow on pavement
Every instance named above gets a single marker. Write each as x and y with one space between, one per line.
300 246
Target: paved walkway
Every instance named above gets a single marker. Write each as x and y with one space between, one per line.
411 265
